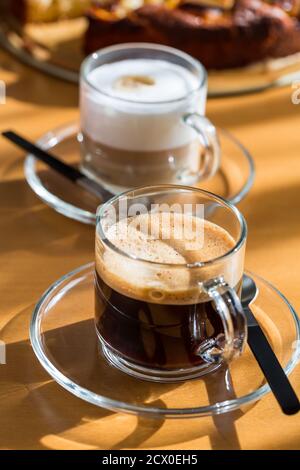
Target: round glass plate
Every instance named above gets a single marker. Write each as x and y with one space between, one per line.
63 337
57 49
233 180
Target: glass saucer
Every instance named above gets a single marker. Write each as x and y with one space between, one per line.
233 180
63 337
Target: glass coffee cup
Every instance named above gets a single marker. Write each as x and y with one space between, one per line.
169 267
142 110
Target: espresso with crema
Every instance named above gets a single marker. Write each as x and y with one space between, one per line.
150 307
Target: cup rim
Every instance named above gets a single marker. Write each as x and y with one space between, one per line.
198 264
144 45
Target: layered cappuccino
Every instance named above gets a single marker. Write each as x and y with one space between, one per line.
133 104
153 312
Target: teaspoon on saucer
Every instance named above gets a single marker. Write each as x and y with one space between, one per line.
69 172
264 354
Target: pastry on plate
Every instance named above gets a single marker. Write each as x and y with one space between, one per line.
32 11
221 35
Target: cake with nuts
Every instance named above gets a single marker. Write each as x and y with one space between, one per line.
42 11
222 34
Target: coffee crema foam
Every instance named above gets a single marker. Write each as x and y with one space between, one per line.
144 80
137 105
185 240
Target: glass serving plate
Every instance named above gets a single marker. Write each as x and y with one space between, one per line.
57 49
63 337
233 181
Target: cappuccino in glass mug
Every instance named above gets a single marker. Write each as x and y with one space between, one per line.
142 118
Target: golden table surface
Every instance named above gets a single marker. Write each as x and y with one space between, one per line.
37 246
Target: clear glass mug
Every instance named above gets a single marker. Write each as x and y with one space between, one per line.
128 143
156 337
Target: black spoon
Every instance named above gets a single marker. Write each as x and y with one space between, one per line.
68 171
265 356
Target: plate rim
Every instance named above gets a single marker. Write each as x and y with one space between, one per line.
152 412
70 76
48 140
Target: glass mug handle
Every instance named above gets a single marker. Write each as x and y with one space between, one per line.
207 134
230 343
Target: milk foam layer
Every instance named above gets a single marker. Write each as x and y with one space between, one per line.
177 284
151 80
137 109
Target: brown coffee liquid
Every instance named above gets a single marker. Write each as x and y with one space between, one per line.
129 169
157 322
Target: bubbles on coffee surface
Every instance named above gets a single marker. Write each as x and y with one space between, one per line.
168 249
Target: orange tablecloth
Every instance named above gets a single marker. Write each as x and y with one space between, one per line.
38 246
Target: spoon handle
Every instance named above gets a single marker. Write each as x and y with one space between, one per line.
59 166
269 364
